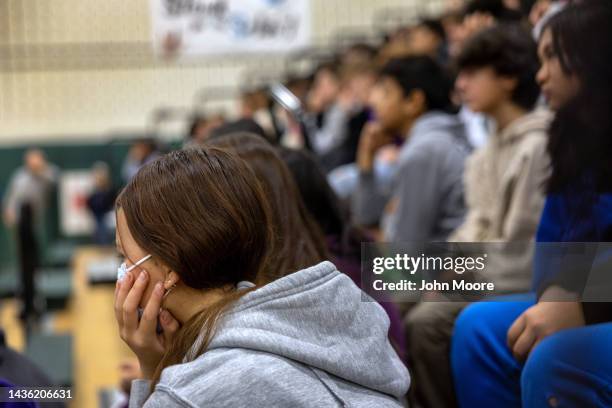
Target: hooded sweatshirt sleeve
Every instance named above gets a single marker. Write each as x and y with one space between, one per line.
368 200
140 397
412 210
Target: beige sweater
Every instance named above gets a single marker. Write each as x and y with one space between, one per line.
504 190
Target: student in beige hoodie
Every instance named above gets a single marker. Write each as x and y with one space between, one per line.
504 194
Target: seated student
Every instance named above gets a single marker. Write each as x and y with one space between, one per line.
412 100
503 187
329 110
194 229
429 38
16 370
337 111
356 84
504 179
142 151
201 127
477 15
549 353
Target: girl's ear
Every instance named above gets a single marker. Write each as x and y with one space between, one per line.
171 280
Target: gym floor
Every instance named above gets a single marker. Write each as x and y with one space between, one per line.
97 348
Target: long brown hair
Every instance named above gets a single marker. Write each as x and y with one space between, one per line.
203 213
298 241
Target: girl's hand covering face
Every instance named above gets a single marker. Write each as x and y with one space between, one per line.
141 335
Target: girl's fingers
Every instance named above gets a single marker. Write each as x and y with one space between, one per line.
122 290
148 321
170 326
130 305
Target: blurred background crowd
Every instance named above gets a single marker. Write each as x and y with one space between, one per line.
403 121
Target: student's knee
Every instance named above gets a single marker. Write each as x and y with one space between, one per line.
471 326
418 323
541 360
560 363
542 371
430 322
484 322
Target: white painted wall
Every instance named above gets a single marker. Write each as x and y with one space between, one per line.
47 103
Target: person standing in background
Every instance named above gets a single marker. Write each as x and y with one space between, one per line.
32 183
101 202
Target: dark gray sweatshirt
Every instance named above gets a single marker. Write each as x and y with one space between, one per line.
310 339
427 191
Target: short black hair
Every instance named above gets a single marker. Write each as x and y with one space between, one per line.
329 66
238 126
496 8
511 51
196 121
435 26
422 72
363 48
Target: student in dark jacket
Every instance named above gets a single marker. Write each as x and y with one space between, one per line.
101 202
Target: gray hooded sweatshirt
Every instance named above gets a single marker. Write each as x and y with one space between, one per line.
427 191
310 339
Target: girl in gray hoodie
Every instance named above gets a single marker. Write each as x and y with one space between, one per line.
193 227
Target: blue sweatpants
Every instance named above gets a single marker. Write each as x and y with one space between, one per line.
572 368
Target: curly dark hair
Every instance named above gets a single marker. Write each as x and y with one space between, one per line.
495 8
511 51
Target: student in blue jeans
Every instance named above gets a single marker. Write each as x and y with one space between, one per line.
521 351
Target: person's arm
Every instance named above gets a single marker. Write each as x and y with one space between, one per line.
332 133
574 267
475 223
579 267
141 397
560 308
369 198
525 200
50 174
11 198
415 200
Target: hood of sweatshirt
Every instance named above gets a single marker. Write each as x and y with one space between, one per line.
436 122
436 130
320 318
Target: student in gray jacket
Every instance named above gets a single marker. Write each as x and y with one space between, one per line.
194 229
425 202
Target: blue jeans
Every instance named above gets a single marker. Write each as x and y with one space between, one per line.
572 368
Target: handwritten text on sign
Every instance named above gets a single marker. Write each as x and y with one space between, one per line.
204 27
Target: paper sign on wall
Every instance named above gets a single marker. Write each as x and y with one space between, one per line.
205 27
74 189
